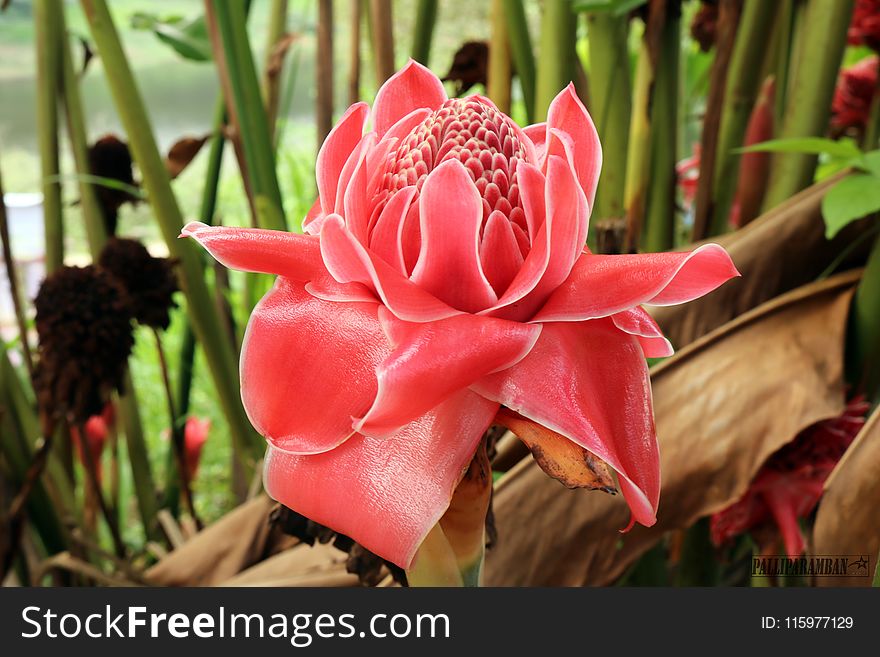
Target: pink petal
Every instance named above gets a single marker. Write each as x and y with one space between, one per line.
412 87
500 253
589 382
568 114
385 494
349 262
355 205
537 134
266 251
558 245
636 321
308 366
450 215
602 285
308 225
334 153
432 360
386 238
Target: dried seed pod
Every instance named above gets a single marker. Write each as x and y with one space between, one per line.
149 282
85 337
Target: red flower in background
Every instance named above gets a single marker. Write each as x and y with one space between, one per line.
856 86
444 273
195 433
864 29
97 429
789 485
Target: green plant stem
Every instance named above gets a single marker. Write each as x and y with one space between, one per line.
522 52
557 55
499 73
109 515
612 105
228 27
638 165
863 355
808 103
221 358
743 83
96 235
324 68
426 18
872 130
382 35
271 82
659 233
12 278
354 51
48 41
728 20
435 563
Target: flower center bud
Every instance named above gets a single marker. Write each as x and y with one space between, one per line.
480 137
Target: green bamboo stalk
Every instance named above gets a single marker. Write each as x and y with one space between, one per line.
808 104
612 107
426 18
557 55
659 234
48 41
96 234
354 51
743 83
222 361
872 131
228 27
728 21
784 44
271 84
324 70
499 74
382 35
523 54
638 165
863 354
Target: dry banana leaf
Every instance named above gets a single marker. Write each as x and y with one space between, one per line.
847 522
182 152
722 406
781 250
238 540
303 563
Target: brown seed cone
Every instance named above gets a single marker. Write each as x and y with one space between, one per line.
149 282
109 157
85 337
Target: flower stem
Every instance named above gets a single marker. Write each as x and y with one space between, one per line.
499 74
426 18
863 356
221 359
12 277
612 104
95 483
435 563
382 34
808 103
743 83
356 11
556 63
523 55
48 40
271 84
324 67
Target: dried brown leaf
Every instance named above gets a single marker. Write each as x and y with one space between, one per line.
569 463
722 405
847 521
182 152
779 251
238 540
301 561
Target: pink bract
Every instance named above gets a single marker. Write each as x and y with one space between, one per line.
443 272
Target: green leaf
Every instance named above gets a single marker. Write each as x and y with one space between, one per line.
843 148
870 163
188 37
852 198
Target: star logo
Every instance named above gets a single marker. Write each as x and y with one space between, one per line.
861 563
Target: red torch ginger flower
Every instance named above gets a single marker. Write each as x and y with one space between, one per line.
851 105
789 485
195 434
864 28
444 273
97 430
